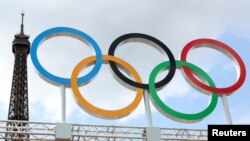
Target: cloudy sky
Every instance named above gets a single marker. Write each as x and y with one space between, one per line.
174 22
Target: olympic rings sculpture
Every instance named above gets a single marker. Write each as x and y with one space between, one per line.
189 70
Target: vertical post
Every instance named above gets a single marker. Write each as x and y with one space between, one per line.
147 108
63 103
226 109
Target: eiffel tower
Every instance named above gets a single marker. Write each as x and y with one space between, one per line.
19 106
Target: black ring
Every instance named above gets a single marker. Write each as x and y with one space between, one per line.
114 67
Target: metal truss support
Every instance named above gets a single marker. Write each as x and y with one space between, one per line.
79 132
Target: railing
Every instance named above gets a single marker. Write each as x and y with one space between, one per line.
174 134
23 130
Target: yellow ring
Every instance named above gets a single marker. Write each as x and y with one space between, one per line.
98 111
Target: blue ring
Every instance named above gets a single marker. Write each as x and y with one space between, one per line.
56 79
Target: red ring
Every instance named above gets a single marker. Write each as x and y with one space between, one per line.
215 43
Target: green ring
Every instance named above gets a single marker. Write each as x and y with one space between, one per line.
166 110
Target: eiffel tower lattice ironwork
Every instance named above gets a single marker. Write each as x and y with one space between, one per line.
19 106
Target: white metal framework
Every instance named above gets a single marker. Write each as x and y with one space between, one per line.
79 132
